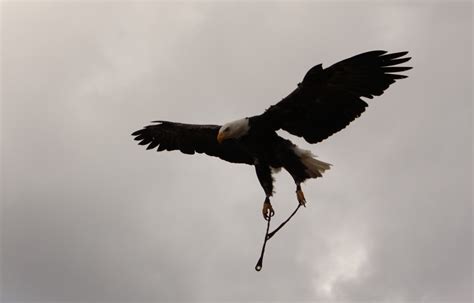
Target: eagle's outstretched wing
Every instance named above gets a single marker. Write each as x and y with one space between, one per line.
329 99
190 138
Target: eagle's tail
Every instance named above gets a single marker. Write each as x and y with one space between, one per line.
314 167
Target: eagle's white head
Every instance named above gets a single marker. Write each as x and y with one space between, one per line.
233 130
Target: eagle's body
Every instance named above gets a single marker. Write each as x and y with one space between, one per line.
325 102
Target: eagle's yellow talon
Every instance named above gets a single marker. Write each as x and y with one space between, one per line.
301 198
267 210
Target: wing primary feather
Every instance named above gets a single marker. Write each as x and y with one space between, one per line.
396 69
396 61
394 55
396 76
145 141
137 132
153 144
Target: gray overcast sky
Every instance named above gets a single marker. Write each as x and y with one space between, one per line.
89 216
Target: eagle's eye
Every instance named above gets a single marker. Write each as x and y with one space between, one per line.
226 130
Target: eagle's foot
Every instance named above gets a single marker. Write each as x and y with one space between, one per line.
267 209
300 196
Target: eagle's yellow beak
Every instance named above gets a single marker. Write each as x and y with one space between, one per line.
220 137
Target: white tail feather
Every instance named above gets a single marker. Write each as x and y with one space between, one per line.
314 167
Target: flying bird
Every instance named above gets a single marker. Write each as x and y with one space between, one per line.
324 102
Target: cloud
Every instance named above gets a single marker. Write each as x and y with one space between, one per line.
88 216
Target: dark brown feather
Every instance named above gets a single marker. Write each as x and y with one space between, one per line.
329 99
191 138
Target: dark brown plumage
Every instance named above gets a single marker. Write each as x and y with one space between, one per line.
329 99
325 102
190 139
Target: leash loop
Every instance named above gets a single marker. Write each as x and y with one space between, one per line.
268 236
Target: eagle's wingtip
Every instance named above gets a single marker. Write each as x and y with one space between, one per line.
136 133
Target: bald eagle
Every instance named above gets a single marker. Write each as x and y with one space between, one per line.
325 102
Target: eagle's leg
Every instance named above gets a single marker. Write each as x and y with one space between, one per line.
264 174
300 195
